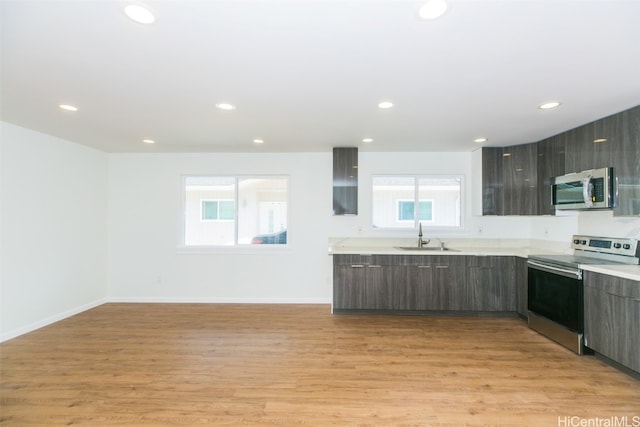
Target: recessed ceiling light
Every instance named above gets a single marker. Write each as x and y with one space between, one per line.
367 140
225 106
68 107
148 141
433 9
479 140
258 141
385 104
600 140
549 105
139 14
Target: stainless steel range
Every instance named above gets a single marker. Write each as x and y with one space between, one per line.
555 287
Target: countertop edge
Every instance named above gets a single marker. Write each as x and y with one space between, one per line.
631 272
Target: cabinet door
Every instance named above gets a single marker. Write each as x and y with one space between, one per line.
345 181
492 181
490 284
350 287
612 316
551 159
579 148
521 287
430 287
520 179
626 163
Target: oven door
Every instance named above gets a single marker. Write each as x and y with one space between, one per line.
557 294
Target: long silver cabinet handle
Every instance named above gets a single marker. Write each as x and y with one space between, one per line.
622 296
375 266
357 266
424 266
442 266
550 269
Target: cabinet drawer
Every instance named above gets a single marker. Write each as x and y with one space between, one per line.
613 285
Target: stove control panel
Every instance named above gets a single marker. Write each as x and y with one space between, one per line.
608 245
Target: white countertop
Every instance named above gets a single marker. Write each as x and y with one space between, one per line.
474 247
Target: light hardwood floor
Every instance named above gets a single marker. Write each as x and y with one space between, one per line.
266 365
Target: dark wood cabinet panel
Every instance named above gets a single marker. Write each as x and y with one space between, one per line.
490 284
551 163
520 179
492 181
433 282
345 181
349 287
612 316
579 148
626 164
522 287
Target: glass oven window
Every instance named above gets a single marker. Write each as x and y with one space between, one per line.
557 298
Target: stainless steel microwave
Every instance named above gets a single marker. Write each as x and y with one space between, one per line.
591 189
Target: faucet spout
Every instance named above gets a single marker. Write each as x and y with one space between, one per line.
421 242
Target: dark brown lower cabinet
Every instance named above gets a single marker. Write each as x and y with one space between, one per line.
521 287
368 283
490 284
433 280
612 316
424 283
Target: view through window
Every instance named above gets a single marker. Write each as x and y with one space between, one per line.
404 201
229 211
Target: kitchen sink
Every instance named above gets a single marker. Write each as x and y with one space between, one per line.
425 248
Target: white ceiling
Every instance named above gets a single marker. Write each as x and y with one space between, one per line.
307 75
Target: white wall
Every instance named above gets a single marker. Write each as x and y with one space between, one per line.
53 229
147 264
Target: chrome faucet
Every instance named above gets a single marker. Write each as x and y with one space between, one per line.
421 242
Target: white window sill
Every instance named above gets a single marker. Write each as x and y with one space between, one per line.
235 250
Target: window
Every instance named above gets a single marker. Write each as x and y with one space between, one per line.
229 211
217 210
404 201
406 210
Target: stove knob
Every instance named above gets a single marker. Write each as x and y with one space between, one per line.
576 241
626 246
583 242
617 245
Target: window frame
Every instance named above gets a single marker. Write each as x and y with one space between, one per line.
416 191
235 247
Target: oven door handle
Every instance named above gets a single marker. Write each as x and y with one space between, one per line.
573 273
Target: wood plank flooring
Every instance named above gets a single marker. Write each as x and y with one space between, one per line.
268 365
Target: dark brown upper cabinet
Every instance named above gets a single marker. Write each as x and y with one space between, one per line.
520 179
610 141
345 181
551 162
492 181
626 162
516 180
509 180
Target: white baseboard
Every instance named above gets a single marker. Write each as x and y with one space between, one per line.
51 319
207 300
